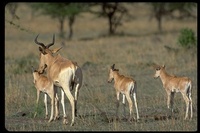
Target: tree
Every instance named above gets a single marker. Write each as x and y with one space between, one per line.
185 9
113 12
61 11
159 10
73 9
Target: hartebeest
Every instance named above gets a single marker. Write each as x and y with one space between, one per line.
126 86
43 84
63 72
173 84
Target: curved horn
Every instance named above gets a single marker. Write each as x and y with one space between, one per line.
49 45
39 43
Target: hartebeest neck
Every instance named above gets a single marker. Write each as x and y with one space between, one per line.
51 59
116 76
164 76
36 75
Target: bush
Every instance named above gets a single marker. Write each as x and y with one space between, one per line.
187 38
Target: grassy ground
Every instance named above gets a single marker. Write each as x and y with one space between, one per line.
134 51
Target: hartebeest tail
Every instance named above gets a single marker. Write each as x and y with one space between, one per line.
173 84
126 86
43 84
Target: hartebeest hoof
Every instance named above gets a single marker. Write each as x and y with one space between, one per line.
57 118
65 121
50 120
46 117
72 124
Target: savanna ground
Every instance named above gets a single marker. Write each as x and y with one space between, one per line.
134 51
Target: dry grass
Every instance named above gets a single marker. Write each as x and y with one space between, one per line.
134 52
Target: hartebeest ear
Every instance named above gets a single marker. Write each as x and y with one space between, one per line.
56 50
113 67
163 66
42 50
32 68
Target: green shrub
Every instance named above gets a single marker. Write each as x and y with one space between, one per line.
187 38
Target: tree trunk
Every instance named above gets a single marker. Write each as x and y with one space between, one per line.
159 12
71 22
159 19
109 10
111 30
61 20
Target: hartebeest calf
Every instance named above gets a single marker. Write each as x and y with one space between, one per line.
173 84
126 86
43 84
62 72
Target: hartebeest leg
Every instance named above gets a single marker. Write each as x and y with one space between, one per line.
46 107
134 97
124 105
130 105
52 96
189 94
71 99
168 99
191 111
63 106
38 97
56 106
117 104
76 97
187 104
172 101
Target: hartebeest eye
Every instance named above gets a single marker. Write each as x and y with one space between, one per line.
42 50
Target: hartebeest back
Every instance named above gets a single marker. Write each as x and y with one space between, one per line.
173 84
43 84
63 72
126 86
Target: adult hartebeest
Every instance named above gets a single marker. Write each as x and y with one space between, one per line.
63 72
173 84
126 86
43 84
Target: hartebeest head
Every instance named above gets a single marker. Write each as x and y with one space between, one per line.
111 73
158 70
45 52
36 73
44 49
